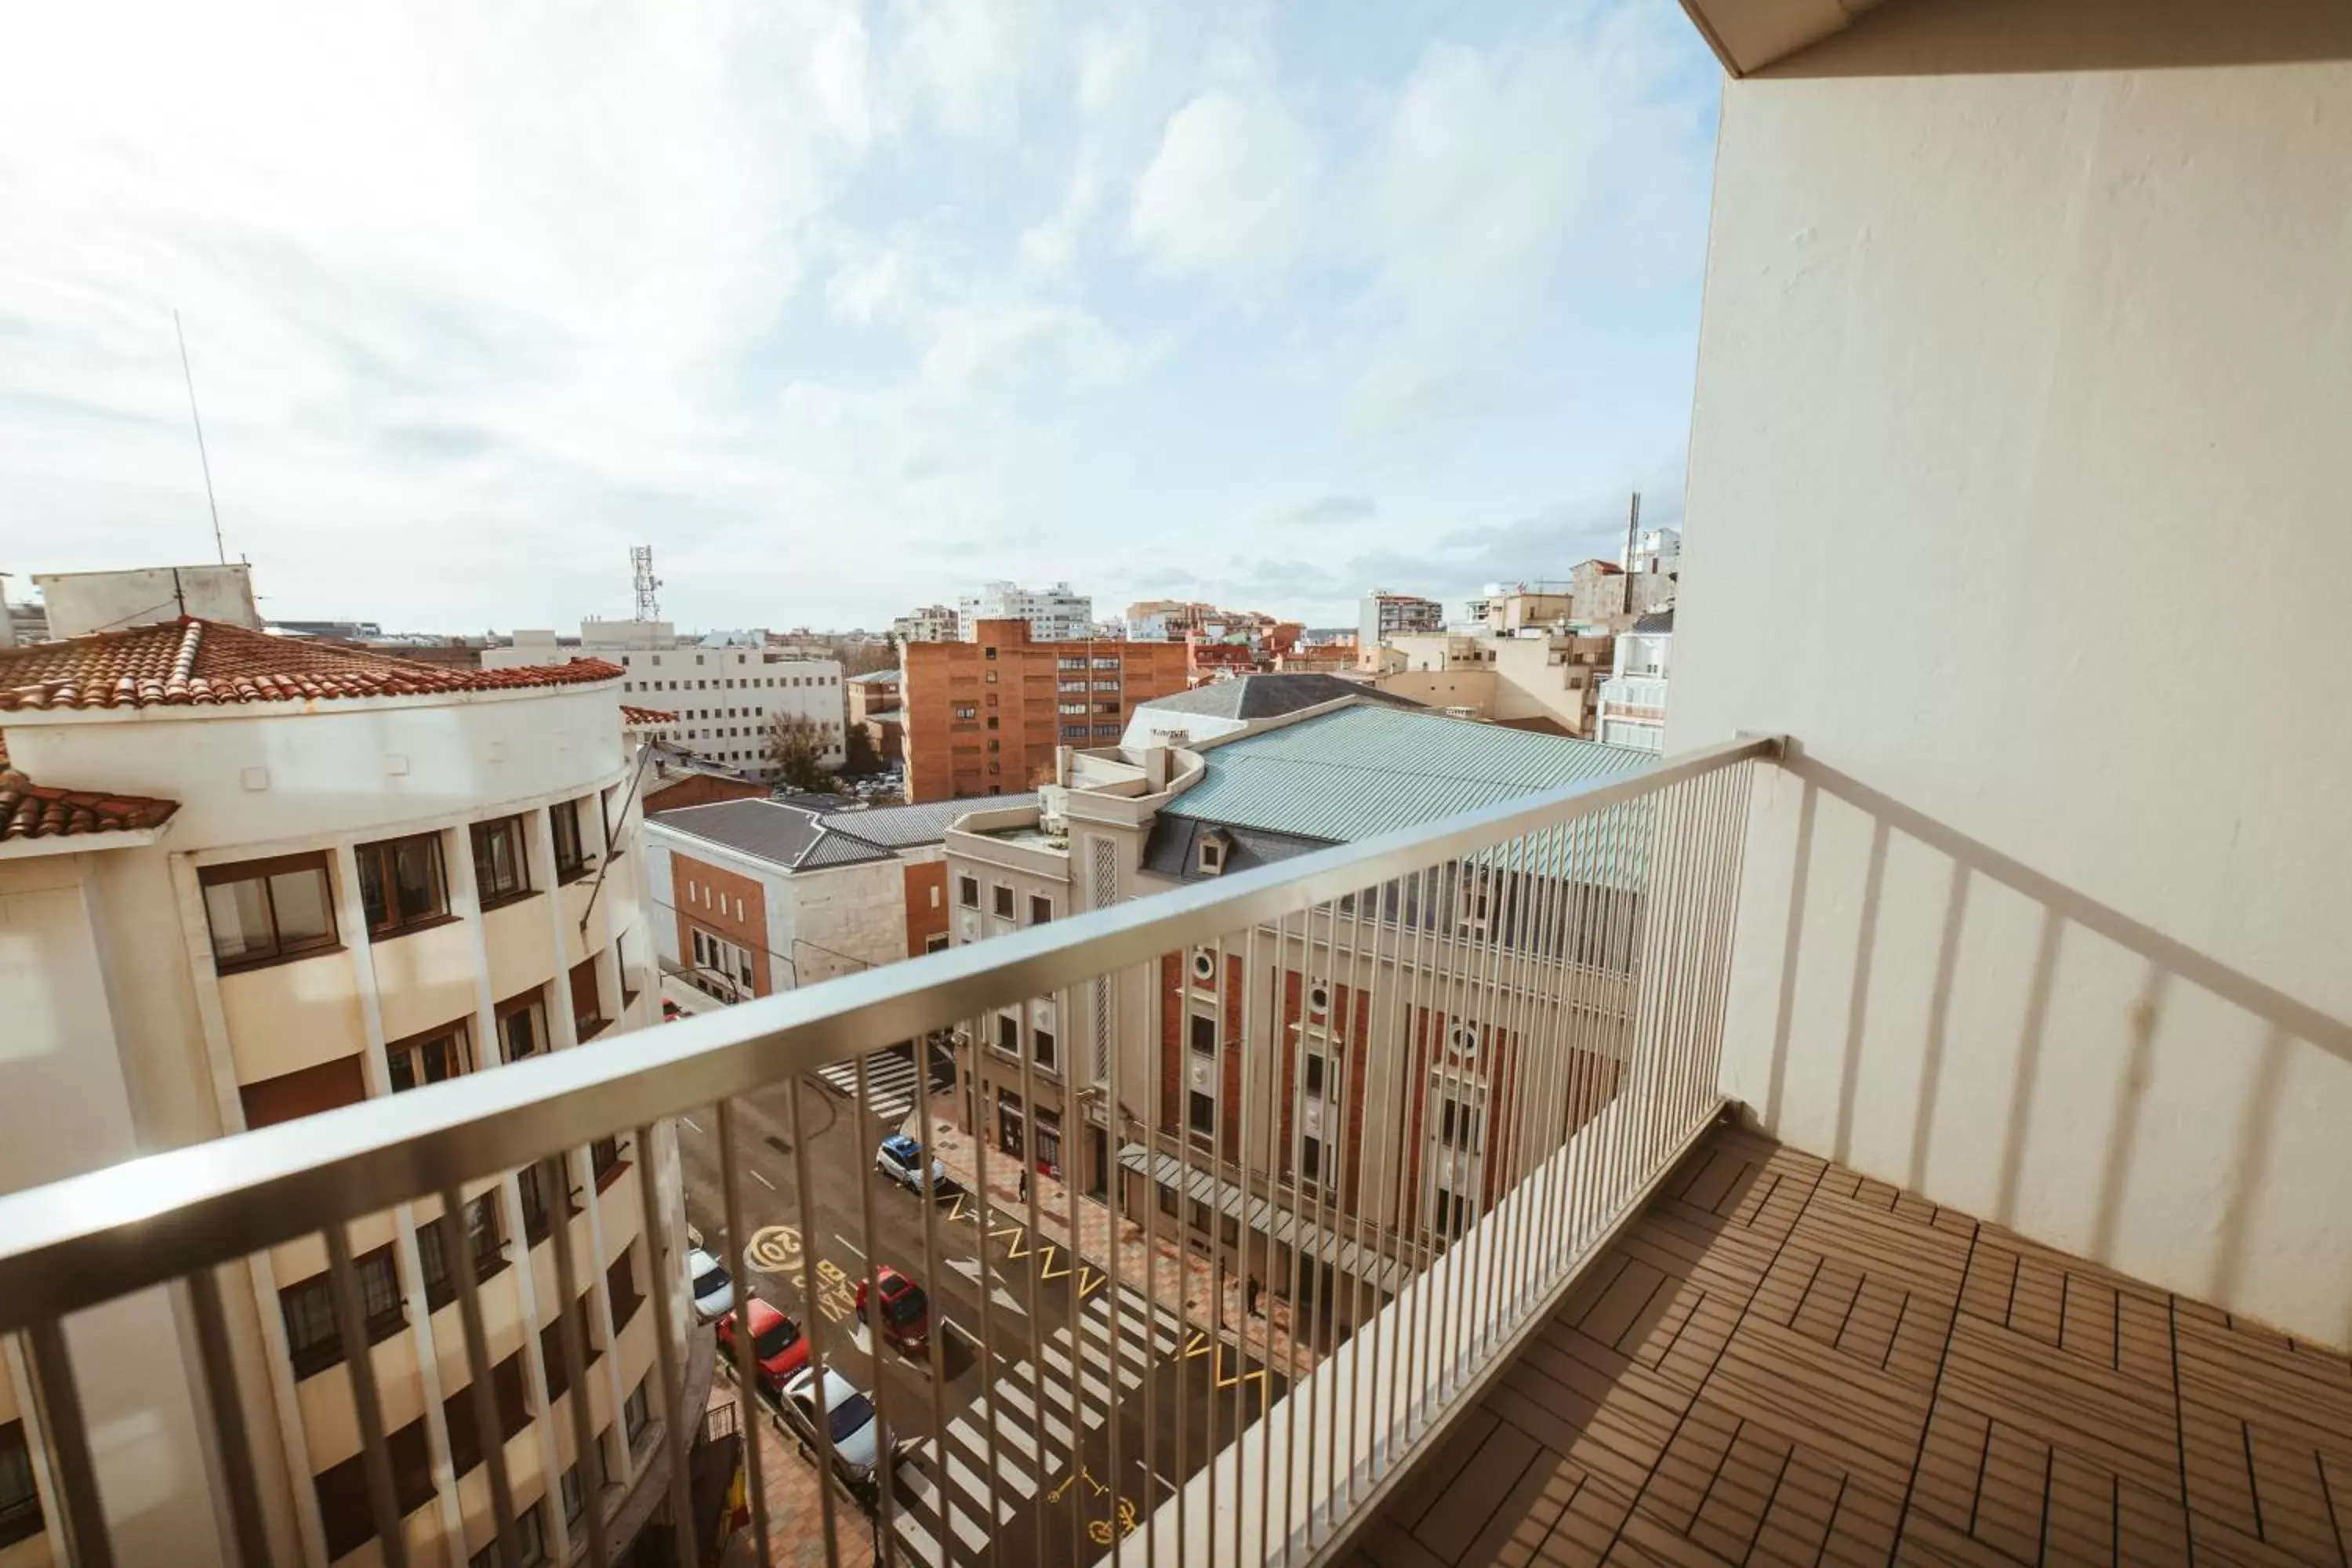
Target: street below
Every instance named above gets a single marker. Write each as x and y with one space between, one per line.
1087 1409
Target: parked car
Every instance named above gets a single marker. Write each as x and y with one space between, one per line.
776 1344
859 1440
906 1310
711 1286
900 1158
671 1010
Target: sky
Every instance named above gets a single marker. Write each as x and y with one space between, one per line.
845 308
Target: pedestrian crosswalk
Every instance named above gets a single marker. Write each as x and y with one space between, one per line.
1035 1411
890 1083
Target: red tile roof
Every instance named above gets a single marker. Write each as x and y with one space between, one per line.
633 715
192 661
28 810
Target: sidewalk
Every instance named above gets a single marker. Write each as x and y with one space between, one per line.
795 1530
1175 1270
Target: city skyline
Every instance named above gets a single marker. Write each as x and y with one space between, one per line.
846 312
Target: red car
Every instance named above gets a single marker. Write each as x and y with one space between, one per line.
776 1344
906 1310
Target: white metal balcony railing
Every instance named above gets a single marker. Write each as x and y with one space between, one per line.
1523 1002
1640 692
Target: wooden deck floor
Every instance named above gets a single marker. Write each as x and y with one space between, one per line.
1782 1361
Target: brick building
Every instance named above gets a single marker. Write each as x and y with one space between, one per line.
984 717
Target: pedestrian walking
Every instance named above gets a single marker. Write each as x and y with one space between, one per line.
1024 1185
1252 1298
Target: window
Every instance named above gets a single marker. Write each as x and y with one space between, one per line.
312 1342
531 1543
1042 1046
1213 856
401 885
1205 964
620 1285
575 1501
571 853
522 1025
1319 1000
1168 1201
966 710
1204 1035
534 1194
1003 900
1204 1113
634 1415
1041 909
426 1058
605 1161
481 1243
1074 731
261 910
968 892
20 1498
305 1091
1316 1067
587 999
1310 1158
1008 1033
501 870
1073 709
935 942
1457 1124
1450 1215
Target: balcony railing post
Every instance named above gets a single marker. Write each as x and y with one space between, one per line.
359 1361
481 1398
747 1366
669 1357
57 1399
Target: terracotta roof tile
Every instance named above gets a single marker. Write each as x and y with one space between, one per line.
28 810
633 715
192 661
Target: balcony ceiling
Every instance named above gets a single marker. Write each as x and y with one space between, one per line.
1748 34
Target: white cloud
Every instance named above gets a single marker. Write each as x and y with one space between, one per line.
1230 193
1505 175
966 68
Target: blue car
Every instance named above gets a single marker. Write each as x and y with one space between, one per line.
900 1158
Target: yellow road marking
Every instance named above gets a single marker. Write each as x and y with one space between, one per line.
1046 1270
1090 1280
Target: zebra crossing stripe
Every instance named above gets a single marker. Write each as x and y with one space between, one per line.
1085 1377
890 1084
1008 1436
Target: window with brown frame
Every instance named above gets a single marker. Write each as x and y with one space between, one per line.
501 868
262 911
550 1350
605 1162
535 1213
483 1243
466 1433
429 1058
523 1025
401 887
305 1091
20 1496
344 1509
621 1285
571 856
587 1000
313 1343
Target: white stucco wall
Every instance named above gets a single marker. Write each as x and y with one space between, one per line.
2004 380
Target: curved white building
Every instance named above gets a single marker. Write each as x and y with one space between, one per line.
244 879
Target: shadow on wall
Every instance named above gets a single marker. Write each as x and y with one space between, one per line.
1949 37
1946 1017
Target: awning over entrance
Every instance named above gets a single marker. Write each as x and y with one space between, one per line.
1280 1226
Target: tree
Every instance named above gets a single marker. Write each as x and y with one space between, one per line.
862 762
796 748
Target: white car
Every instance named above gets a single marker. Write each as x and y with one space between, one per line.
713 1290
900 1158
857 1437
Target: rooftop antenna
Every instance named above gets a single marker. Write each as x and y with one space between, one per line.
197 420
1633 529
641 558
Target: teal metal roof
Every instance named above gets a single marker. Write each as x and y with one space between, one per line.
1361 771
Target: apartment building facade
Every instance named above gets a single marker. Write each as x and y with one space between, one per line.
1053 614
985 715
932 623
756 897
1383 615
1434 989
1633 698
253 879
874 702
1549 680
725 691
